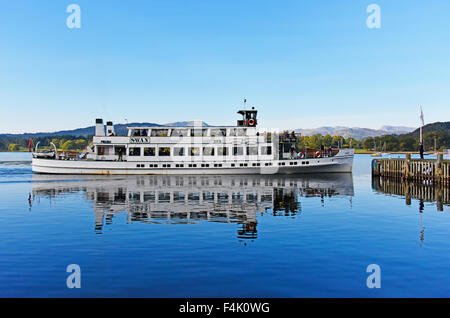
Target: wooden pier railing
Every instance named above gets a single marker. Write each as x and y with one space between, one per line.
436 171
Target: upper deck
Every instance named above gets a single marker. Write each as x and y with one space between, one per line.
192 131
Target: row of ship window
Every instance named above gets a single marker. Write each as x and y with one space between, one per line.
294 163
195 151
183 132
204 165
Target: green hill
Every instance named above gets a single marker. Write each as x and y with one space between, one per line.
434 127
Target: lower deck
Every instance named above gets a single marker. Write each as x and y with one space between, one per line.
340 163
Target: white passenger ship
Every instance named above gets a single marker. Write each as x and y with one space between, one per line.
240 149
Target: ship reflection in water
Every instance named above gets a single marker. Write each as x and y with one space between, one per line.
193 199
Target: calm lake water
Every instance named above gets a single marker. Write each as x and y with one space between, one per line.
219 236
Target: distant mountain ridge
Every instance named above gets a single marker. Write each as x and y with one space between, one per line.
356 132
346 132
120 129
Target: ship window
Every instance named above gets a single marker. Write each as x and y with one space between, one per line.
238 151
177 132
218 132
164 151
100 150
134 196
159 132
222 151
238 131
139 132
149 151
208 151
252 151
178 151
136 151
119 148
194 151
266 150
198 132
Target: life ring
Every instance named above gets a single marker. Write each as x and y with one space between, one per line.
318 154
301 155
251 122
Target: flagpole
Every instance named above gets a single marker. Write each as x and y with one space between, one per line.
421 134
421 118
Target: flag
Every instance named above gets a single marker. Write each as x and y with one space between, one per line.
421 116
30 142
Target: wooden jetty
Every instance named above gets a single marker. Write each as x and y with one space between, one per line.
436 171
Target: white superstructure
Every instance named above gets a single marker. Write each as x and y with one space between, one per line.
240 149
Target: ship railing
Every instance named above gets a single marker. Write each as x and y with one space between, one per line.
309 154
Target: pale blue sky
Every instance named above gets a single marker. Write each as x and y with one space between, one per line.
303 64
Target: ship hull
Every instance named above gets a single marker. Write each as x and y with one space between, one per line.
313 165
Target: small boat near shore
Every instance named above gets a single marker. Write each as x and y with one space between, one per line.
167 150
44 154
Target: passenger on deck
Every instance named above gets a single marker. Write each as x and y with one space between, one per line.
292 151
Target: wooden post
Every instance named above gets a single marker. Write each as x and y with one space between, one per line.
407 163
407 193
438 168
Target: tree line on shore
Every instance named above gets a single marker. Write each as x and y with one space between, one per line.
74 143
435 140
407 142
